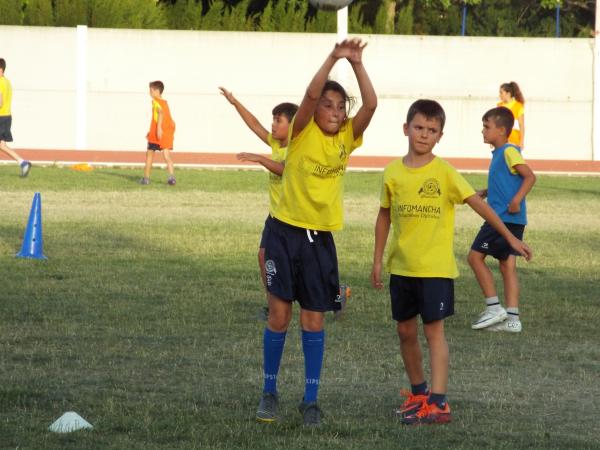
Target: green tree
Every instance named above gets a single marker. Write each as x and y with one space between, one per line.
126 14
184 15
70 13
11 12
38 12
404 18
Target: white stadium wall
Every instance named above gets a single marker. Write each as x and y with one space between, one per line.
263 69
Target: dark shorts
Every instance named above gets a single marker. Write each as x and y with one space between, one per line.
489 242
265 233
431 298
302 265
153 146
5 124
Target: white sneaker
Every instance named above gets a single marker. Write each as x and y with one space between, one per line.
489 317
511 326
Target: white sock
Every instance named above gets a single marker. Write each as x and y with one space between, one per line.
493 303
513 314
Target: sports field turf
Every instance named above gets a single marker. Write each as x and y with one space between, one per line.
144 321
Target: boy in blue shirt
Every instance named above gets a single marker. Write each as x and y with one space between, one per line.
509 180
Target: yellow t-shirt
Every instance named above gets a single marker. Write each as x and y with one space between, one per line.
278 154
518 109
6 91
313 179
513 157
422 214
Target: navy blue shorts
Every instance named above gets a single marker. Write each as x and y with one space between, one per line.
302 265
154 147
265 233
489 242
5 124
431 298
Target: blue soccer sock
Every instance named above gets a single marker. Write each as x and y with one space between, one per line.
419 389
273 343
437 399
313 345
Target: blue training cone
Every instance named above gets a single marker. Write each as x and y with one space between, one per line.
33 244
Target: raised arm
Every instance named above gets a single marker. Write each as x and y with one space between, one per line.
367 93
488 214
249 119
382 229
275 167
306 110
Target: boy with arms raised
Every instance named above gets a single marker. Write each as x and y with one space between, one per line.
277 139
509 180
418 197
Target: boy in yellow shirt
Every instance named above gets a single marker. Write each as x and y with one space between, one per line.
6 121
277 139
418 196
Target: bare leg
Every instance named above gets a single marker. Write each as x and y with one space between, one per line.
280 314
148 166
438 355
482 273
508 268
410 350
10 152
167 155
310 320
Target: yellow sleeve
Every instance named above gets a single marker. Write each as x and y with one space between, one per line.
513 158
385 200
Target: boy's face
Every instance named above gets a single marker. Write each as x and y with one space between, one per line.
492 134
331 112
279 127
423 133
154 93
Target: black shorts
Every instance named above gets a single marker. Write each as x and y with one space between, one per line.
489 242
5 124
302 265
431 298
265 233
153 146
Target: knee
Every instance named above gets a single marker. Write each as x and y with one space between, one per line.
473 258
278 321
508 266
407 331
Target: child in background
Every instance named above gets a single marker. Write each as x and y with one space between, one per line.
161 134
6 121
512 98
509 180
277 140
418 197
300 254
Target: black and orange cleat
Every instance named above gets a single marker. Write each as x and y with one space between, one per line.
429 414
342 298
412 403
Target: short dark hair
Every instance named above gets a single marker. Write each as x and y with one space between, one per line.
429 108
2 64
287 110
331 85
502 117
157 85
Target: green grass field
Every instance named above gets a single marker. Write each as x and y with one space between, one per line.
144 320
